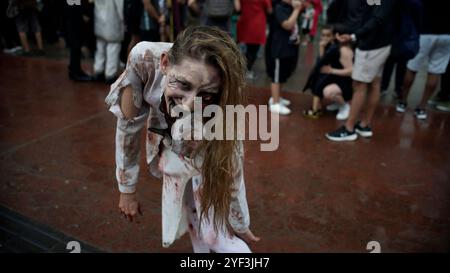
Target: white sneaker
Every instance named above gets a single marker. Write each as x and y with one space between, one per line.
283 101
8 51
333 107
280 109
344 112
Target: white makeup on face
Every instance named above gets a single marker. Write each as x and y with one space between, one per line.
188 80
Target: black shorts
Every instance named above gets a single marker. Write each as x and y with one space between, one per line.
280 69
344 83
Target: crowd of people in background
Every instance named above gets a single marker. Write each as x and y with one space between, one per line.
359 45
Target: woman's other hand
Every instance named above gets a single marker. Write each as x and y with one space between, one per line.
248 237
129 206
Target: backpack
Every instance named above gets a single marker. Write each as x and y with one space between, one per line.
408 40
219 8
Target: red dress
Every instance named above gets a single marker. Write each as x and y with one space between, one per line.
251 27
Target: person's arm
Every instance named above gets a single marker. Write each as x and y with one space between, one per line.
239 218
126 103
194 7
290 23
151 10
322 46
346 60
237 5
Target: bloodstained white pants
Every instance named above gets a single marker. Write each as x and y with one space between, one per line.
205 239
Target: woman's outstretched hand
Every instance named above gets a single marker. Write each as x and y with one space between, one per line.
129 206
248 237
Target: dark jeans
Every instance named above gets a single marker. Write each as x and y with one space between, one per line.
399 73
74 36
251 54
78 33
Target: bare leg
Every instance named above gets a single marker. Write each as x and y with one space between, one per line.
408 82
359 98
430 87
316 103
333 92
276 88
40 44
134 40
24 41
372 103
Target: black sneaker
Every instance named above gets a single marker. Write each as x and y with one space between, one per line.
80 76
342 134
420 114
401 107
363 131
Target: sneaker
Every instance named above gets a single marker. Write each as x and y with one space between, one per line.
311 114
401 107
342 134
79 76
420 114
9 51
344 112
443 106
333 107
283 101
17 49
363 131
434 100
279 108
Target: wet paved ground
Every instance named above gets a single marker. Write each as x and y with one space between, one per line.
57 169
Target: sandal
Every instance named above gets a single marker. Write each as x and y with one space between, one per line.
311 114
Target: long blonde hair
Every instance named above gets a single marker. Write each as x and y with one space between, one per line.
216 48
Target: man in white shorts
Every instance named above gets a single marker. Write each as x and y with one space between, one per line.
434 52
373 35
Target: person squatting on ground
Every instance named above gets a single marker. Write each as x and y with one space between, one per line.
203 181
331 77
282 50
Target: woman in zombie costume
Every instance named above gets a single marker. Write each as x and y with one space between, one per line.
203 181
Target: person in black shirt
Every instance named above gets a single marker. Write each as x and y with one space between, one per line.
370 26
75 17
282 50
